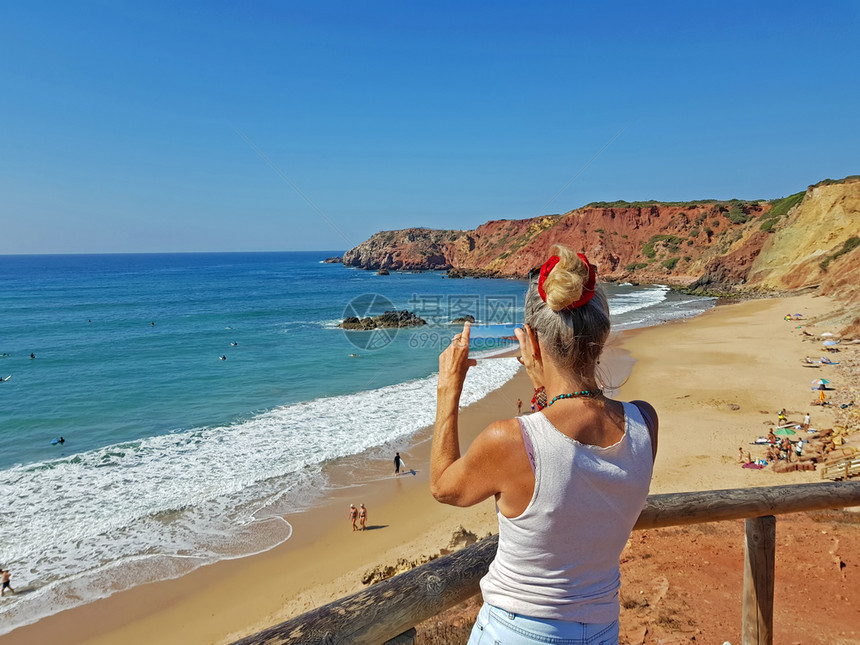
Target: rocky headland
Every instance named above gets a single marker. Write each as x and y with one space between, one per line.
735 247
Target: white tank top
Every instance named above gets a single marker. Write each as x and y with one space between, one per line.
559 559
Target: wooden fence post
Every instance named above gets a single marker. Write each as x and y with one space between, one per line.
759 552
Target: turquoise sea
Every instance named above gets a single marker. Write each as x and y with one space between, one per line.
200 396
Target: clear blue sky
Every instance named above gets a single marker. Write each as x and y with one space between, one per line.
125 126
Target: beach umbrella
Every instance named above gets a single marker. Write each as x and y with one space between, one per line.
830 343
785 431
821 381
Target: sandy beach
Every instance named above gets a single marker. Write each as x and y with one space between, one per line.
717 382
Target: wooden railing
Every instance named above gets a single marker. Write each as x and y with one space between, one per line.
388 611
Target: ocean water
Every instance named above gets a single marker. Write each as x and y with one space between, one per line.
175 457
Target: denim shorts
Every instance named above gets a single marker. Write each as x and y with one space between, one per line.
496 626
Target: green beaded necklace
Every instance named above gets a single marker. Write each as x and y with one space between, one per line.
572 395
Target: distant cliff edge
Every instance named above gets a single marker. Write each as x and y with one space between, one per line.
809 239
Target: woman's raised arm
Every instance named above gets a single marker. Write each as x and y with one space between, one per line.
494 456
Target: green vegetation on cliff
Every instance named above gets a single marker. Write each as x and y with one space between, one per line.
829 182
648 204
672 243
780 207
847 246
737 215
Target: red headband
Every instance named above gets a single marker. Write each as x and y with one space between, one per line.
587 290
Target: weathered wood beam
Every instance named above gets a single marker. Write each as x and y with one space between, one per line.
676 509
390 607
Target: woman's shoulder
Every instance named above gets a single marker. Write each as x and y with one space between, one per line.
502 431
647 410
652 422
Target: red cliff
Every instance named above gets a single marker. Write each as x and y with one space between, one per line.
807 239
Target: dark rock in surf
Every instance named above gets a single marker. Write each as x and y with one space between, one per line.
388 319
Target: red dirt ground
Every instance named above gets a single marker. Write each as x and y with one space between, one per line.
684 585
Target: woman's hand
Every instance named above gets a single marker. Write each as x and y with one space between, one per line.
454 362
530 354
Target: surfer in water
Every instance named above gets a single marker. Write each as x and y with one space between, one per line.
222 358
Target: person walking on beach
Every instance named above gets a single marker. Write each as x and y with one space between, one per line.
806 422
353 515
582 459
5 577
362 517
397 463
519 407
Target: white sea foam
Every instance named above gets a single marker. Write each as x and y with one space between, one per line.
84 527
623 303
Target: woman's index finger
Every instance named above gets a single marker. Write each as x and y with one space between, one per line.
467 326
